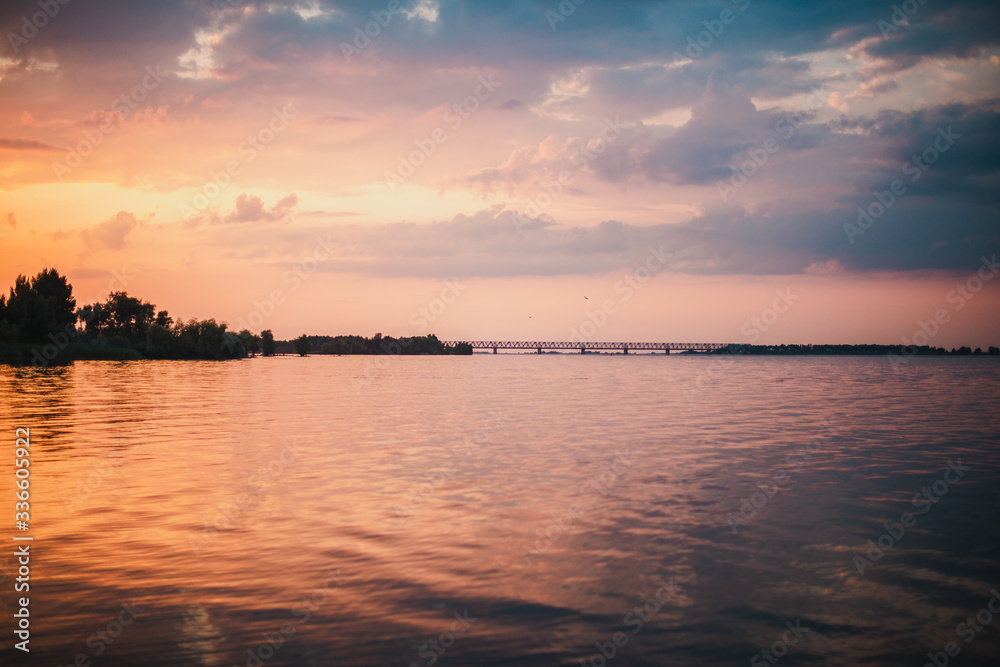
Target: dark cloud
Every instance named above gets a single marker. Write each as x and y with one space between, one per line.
725 240
955 30
620 60
969 168
722 127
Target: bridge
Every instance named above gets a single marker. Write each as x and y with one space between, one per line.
584 346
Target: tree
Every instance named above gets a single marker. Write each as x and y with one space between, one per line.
160 342
121 317
302 346
246 339
267 343
249 341
212 340
38 309
58 293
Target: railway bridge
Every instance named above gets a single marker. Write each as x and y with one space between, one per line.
539 346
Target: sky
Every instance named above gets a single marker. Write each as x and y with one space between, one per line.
745 171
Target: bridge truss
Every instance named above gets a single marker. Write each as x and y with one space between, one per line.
539 346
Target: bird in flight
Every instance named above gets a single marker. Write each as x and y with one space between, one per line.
588 299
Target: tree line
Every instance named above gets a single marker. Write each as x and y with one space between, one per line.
41 324
377 344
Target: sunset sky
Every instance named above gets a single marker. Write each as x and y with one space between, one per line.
476 169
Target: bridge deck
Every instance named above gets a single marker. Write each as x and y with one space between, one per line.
592 345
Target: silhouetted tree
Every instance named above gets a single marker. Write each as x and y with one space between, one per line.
302 345
38 309
121 317
58 293
250 342
161 342
267 343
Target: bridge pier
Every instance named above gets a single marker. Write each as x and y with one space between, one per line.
626 350
539 350
494 350
583 350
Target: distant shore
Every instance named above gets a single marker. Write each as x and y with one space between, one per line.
41 325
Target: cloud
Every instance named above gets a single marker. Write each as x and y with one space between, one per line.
933 32
872 88
250 208
85 273
494 242
511 104
27 145
700 152
12 221
111 233
684 125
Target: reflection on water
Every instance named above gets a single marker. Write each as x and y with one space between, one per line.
543 510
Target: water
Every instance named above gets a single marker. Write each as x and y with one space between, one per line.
359 511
